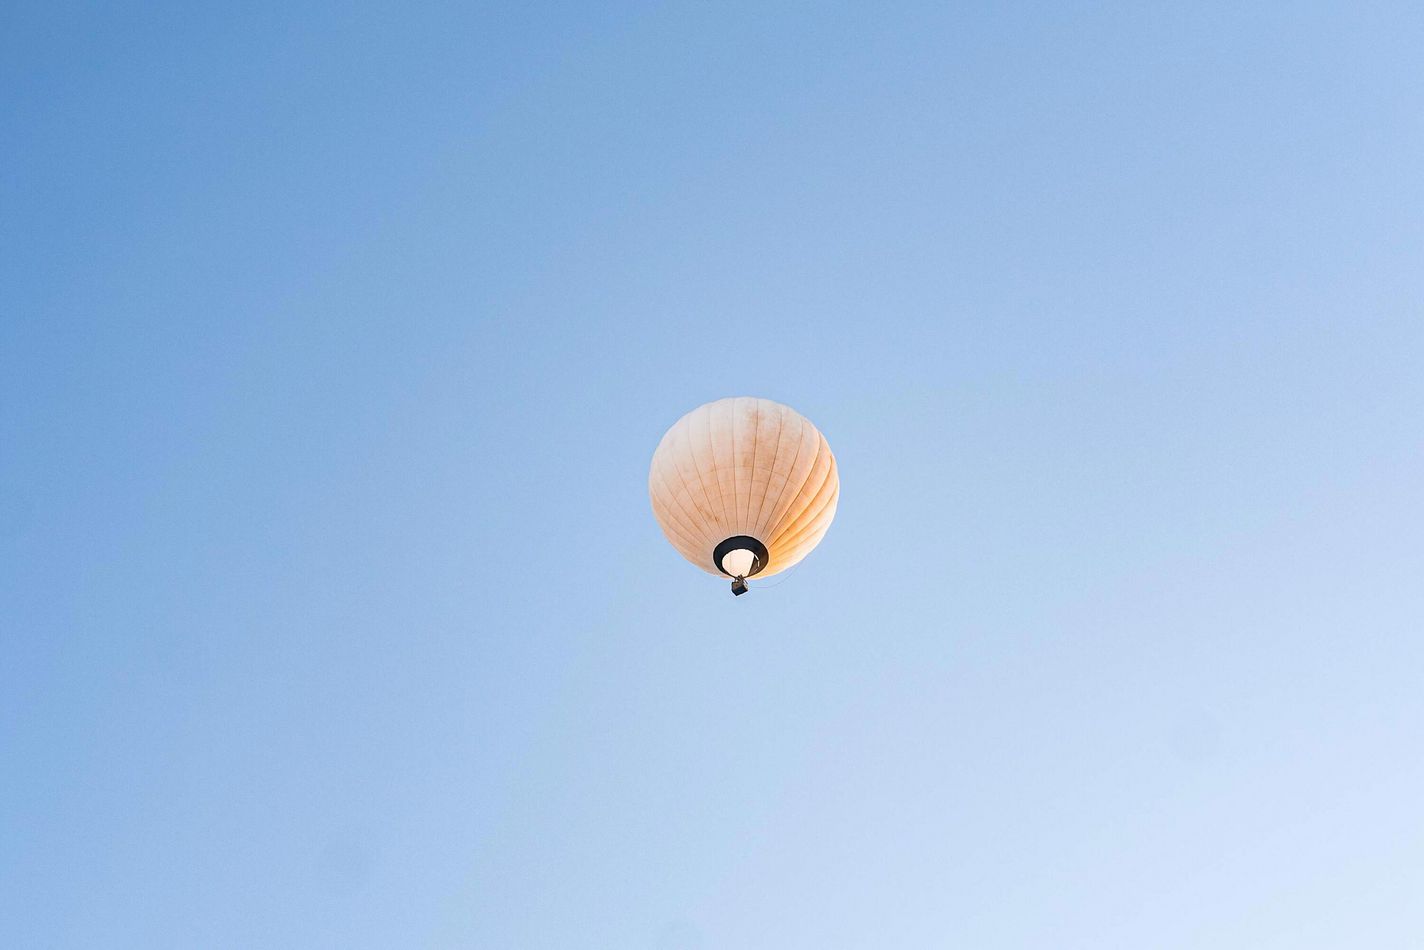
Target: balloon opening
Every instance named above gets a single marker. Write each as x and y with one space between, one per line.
740 556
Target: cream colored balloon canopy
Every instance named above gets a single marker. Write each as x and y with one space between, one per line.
744 487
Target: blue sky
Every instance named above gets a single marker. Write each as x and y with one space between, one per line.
335 341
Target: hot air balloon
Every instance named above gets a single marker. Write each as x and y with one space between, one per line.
744 487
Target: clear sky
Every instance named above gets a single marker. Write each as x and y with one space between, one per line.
335 341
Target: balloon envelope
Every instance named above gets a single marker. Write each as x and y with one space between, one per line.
744 468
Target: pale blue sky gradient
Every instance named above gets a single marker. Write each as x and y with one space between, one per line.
335 340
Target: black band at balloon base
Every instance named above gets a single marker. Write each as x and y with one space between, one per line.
741 542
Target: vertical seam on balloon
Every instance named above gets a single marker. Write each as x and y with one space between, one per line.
736 459
700 480
775 453
820 441
674 507
754 521
807 539
816 522
667 520
735 513
786 487
712 453
701 517
795 551
682 480
795 533
789 519
751 485
692 533
700 522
